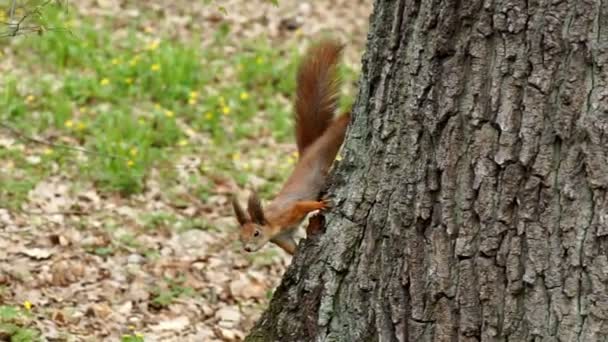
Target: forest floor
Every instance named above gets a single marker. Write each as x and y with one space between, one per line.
173 107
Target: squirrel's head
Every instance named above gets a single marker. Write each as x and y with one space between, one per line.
253 223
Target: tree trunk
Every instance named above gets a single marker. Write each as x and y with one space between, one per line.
471 203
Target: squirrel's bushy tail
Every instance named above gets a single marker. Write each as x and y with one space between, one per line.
317 92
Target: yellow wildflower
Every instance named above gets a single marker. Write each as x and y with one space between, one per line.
130 163
155 67
192 101
133 151
153 45
104 81
259 60
138 334
182 142
156 106
27 305
226 110
128 80
134 60
247 166
338 157
244 95
115 61
69 123
47 151
193 94
81 126
291 160
208 115
30 99
169 113
236 156
295 154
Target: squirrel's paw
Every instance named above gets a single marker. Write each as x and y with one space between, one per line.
326 203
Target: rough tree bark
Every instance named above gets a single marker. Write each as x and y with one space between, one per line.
472 198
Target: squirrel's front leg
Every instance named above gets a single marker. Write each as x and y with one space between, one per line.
301 209
286 242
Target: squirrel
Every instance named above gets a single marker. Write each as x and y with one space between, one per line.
318 138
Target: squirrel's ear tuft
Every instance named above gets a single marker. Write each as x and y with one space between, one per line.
241 217
254 207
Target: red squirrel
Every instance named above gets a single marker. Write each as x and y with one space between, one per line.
318 138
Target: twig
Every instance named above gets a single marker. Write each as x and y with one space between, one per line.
32 29
62 212
11 12
14 28
23 136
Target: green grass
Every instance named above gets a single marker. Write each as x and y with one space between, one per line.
136 101
14 323
132 338
168 292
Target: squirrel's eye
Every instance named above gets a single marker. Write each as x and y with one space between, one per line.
256 233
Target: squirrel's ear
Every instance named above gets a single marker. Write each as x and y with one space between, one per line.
238 211
254 207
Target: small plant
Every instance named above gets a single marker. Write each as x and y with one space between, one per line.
171 290
128 240
127 146
157 220
14 323
102 251
16 185
135 337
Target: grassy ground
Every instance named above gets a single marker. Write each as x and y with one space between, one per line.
119 227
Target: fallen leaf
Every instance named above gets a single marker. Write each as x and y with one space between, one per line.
203 333
65 272
247 288
228 316
59 317
38 253
126 308
57 239
227 334
99 310
176 324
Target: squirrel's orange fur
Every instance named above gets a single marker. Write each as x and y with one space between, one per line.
318 137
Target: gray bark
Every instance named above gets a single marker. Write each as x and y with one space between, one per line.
471 203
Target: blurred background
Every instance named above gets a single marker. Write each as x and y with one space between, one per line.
124 126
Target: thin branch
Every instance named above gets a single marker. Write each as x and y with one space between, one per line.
60 212
32 29
14 28
20 135
12 10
